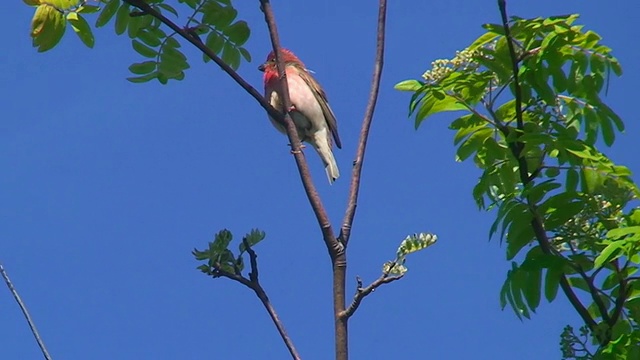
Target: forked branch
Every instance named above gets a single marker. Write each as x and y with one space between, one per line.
354 188
361 292
253 283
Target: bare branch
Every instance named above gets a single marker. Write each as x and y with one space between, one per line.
262 295
354 188
253 284
333 246
361 292
23 307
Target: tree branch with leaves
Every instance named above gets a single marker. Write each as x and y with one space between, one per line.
532 88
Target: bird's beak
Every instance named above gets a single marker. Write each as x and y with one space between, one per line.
261 67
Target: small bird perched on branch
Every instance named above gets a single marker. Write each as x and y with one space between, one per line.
310 111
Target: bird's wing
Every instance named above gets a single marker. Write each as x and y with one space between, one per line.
324 104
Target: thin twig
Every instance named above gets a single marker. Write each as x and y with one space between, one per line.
23 307
622 293
361 292
253 259
354 188
254 284
537 222
333 246
262 295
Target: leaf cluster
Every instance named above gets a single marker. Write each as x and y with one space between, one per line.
533 124
220 260
215 19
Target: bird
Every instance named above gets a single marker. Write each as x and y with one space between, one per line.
314 120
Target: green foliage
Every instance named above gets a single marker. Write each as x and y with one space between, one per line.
219 259
564 209
215 19
410 244
575 346
47 27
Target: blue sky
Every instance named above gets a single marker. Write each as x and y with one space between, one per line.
107 186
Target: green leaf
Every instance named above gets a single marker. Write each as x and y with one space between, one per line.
143 49
221 241
254 237
63 4
88 9
47 27
413 243
592 180
238 33
107 13
162 78
610 281
245 54
215 42
634 217
191 3
122 18
615 66
517 283
552 172
143 67
496 29
431 105
623 231
558 216
532 288
143 78
484 39
507 111
551 283
607 112
607 131
466 125
172 42
149 38
393 268
520 232
81 28
231 56
408 85
168 8
504 293
537 192
224 17
473 143
171 64
572 180
136 23
579 283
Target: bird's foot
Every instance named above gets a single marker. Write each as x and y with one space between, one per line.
302 147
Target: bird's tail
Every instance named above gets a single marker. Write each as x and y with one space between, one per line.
329 161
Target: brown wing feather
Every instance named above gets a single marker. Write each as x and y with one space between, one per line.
324 104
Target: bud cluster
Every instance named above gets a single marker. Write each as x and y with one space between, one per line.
441 68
